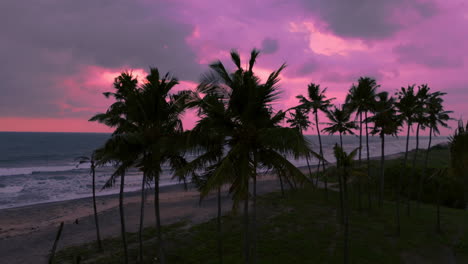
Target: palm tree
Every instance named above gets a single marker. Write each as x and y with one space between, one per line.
207 141
340 122
316 101
148 117
91 161
361 99
459 155
255 138
407 105
440 177
386 122
116 149
344 163
300 121
436 117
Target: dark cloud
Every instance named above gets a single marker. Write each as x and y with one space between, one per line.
54 38
269 45
367 19
432 58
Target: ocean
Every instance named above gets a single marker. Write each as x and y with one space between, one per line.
41 167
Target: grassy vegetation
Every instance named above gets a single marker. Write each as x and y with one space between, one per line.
303 228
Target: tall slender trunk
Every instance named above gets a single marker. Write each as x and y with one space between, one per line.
317 174
321 154
369 200
404 171
360 138
308 164
424 172
438 208
246 227
220 234
162 256
398 190
281 184
360 162
382 170
346 218
122 217
340 183
142 216
98 232
254 212
413 164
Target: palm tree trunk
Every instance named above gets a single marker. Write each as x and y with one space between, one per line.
254 213
308 164
404 170
360 162
398 190
122 217
369 200
360 138
220 235
142 215
438 208
340 183
162 256
382 170
321 154
346 219
424 172
98 233
246 228
413 165
281 184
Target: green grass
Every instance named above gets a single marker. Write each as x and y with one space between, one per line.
303 228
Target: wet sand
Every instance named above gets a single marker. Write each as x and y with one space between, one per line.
28 233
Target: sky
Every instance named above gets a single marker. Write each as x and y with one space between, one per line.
59 56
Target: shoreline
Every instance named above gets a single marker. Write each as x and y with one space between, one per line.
33 227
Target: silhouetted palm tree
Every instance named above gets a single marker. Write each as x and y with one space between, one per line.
207 141
91 161
148 117
436 117
386 122
459 155
407 105
255 138
300 121
344 163
316 101
340 123
361 99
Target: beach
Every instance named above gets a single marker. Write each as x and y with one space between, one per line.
27 233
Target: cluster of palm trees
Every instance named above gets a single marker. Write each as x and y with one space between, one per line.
239 134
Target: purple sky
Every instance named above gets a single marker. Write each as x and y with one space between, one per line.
60 55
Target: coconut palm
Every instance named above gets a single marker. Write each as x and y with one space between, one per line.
116 149
92 162
386 122
420 116
340 123
441 176
436 117
148 117
316 101
459 155
255 139
300 121
207 141
361 99
344 164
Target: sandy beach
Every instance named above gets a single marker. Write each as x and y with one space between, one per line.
27 233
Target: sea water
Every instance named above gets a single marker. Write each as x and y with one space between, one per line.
42 167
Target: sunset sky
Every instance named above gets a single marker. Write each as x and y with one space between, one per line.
58 56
